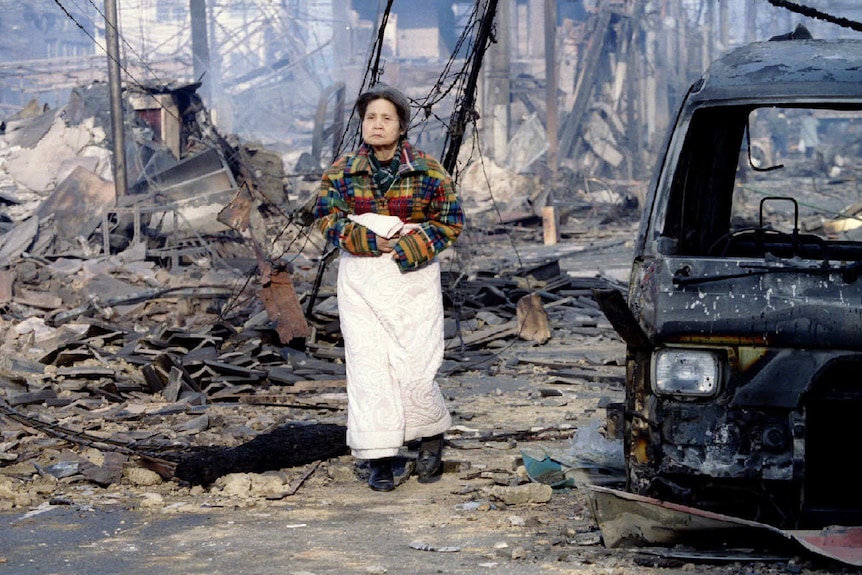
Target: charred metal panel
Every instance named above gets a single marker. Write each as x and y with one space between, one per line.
709 440
781 378
808 308
615 309
629 520
764 71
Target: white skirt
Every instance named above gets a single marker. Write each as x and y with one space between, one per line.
392 324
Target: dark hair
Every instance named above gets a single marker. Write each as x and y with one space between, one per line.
382 91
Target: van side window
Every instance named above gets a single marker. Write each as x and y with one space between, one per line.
699 206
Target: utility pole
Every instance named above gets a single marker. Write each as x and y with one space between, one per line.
708 34
116 95
498 88
551 82
200 46
750 21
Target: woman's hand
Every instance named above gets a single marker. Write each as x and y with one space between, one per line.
386 245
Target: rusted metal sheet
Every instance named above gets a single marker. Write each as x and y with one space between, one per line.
282 305
626 519
278 294
77 204
236 214
840 543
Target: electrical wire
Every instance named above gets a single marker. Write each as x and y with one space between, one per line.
817 14
447 83
369 79
105 50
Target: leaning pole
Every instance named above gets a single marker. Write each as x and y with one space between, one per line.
119 147
464 108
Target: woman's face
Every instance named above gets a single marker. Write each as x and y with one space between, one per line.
381 127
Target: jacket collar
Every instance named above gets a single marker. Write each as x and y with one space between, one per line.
410 161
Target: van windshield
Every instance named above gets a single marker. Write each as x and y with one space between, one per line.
777 180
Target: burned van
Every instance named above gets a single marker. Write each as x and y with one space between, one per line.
743 318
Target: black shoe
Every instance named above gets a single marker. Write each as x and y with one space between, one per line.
429 463
381 478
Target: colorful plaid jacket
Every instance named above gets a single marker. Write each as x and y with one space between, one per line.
423 193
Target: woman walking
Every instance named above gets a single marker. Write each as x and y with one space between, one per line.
390 209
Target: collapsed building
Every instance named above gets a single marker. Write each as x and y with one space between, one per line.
75 252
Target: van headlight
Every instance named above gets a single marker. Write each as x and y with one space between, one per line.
686 372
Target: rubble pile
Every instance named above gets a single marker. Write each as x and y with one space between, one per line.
144 333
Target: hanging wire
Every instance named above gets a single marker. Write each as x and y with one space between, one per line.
372 75
817 14
375 72
105 50
449 82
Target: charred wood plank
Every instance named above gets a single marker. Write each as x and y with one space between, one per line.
87 372
31 397
279 375
485 335
154 382
585 84
167 362
284 401
584 374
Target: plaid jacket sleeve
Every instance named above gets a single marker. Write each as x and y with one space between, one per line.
335 200
441 218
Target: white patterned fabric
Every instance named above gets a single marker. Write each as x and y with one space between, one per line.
392 324
383 226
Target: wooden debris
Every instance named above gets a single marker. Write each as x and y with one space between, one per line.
551 225
485 335
532 319
294 487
